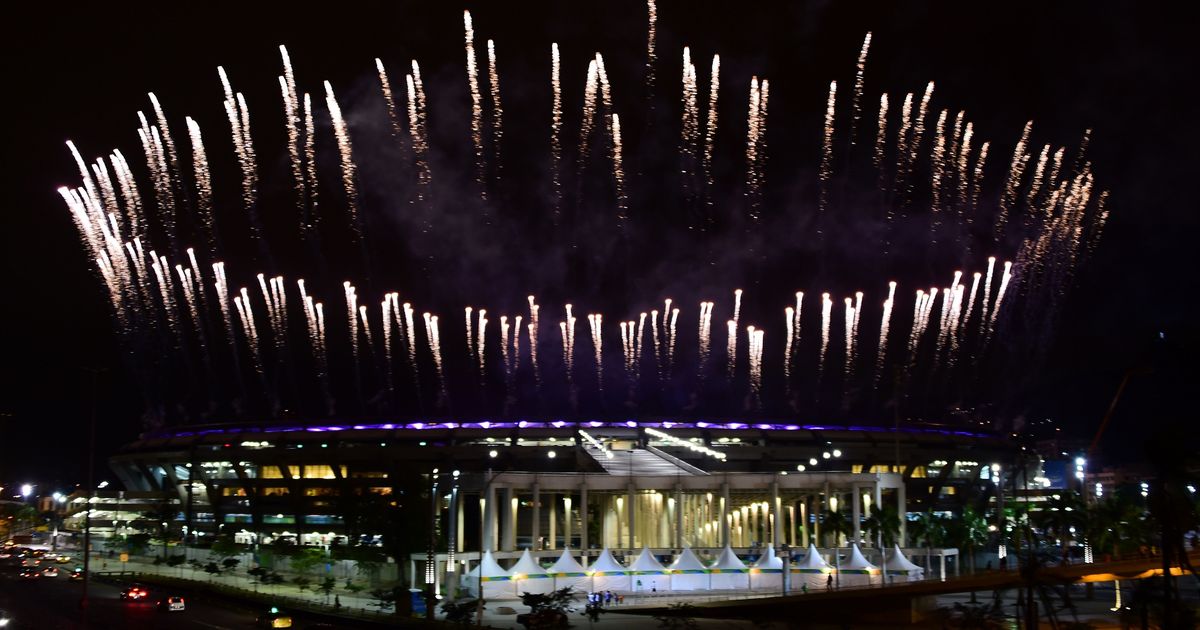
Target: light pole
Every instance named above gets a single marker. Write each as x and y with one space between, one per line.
482 532
785 553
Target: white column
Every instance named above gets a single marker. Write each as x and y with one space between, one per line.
553 521
725 540
535 529
583 521
679 515
856 512
631 511
902 508
776 505
508 521
489 519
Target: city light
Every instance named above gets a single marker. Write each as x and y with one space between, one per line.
26 490
674 441
493 454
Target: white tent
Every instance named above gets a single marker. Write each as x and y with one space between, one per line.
529 577
608 574
495 579
767 572
567 571
648 573
857 571
900 569
687 572
728 572
811 569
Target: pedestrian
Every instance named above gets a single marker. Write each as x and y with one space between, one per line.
607 597
337 602
620 599
653 587
829 582
804 588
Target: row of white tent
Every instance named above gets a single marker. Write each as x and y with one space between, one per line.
686 573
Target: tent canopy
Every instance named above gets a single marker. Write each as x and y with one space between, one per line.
528 568
812 561
768 560
857 562
728 562
606 564
897 562
492 571
687 561
646 564
567 566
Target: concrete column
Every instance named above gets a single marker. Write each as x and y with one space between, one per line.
902 508
459 535
824 507
942 561
583 521
856 511
553 521
508 520
535 528
631 511
489 519
776 510
679 515
725 541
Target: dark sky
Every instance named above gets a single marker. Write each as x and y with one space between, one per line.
1124 70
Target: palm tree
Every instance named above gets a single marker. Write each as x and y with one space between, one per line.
837 524
1062 516
884 527
927 529
969 530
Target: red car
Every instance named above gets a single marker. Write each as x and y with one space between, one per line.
135 594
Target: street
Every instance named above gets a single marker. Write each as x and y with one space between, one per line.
53 603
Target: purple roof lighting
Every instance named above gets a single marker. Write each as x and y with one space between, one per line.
531 424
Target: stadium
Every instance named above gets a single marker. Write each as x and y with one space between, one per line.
504 486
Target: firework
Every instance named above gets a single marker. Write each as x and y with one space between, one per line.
497 109
556 129
1015 169
342 133
858 85
476 101
827 154
710 132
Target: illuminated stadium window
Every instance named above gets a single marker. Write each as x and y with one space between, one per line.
857 469
233 492
380 490
919 472
274 472
321 471
366 474
279 519
319 492
273 491
322 519
238 518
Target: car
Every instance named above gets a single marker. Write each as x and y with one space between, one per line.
76 575
135 593
63 559
274 618
31 562
37 553
50 572
5 619
5 555
172 603
30 573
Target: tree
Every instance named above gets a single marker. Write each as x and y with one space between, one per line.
1062 516
968 531
230 564
212 569
884 528
326 586
930 530
385 598
301 581
225 547
679 616
461 611
548 610
306 560
837 524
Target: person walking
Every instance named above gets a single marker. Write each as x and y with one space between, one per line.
829 582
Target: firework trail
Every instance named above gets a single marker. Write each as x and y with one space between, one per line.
203 184
849 334
619 169
651 37
858 85
588 119
386 87
596 321
1036 180
789 316
710 134
435 347
310 161
246 313
754 338
918 130
1007 275
418 131
658 361
937 171
556 129
352 318
966 319
963 163
1015 169
987 286
470 335
533 340
884 328
505 355
129 192
977 180
755 144
199 278
239 127
903 140
162 273
366 327
826 312
161 119
410 333
690 126
291 109
222 287
497 109
731 346
481 342
671 339
705 335
881 138
476 102
345 152
826 155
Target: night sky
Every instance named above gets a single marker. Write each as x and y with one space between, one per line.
1123 70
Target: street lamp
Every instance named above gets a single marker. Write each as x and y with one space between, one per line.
26 490
785 553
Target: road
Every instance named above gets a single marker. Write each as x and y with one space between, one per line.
53 604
